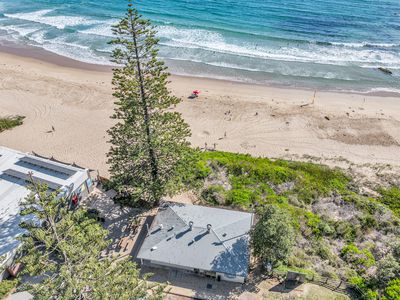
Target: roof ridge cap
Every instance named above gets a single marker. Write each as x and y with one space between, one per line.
228 224
169 206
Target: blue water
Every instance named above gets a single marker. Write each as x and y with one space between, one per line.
330 44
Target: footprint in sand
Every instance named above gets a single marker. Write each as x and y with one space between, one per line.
246 145
204 133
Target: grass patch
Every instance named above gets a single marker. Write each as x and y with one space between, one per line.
10 122
310 274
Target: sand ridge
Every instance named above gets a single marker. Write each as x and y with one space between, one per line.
259 120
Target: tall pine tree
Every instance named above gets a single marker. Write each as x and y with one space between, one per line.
63 247
149 141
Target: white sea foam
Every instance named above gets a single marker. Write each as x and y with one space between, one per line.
20 30
383 90
366 44
103 29
323 54
38 37
74 51
43 17
60 46
281 69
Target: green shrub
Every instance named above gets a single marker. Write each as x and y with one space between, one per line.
10 122
392 291
388 269
391 198
371 295
242 197
318 227
299 259
203 170
323 249
214 195
396 249
367 221
314 181
358 281
313 222
360 259
346 231
6 286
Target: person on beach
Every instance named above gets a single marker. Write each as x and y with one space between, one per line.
195 94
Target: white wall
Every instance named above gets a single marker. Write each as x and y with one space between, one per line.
230 278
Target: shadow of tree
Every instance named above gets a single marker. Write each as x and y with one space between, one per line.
234 260
9 231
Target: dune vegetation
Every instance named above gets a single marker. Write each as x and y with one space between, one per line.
341 233
10 122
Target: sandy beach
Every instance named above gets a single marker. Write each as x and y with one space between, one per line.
75 100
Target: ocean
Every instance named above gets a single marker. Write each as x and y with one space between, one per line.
315 44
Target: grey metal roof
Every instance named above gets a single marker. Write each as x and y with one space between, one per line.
224 249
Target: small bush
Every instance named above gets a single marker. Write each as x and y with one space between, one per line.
10 122
360 259
323 250
346 231
214 195
368 221
391 198
392 291
6 286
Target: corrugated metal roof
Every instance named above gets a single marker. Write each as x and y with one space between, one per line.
14 169
223 249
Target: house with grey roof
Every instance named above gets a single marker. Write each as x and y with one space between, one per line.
16 169
204 240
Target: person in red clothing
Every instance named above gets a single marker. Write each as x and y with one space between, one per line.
75 199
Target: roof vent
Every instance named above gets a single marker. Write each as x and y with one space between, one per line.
209 228
190 225
153 248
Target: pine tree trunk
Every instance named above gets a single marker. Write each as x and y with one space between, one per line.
153 161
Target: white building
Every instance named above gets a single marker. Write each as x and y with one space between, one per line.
15 168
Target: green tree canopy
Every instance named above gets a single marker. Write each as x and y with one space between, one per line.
273 237
149 140
64 248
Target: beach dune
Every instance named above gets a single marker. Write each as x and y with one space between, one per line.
68 108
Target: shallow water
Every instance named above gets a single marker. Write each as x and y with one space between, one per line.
330 44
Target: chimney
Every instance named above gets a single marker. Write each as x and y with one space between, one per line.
209 228
190 225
